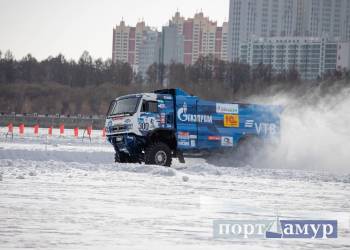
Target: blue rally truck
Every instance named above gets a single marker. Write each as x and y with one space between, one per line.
155 127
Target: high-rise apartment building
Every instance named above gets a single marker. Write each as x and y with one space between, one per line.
261 18
172 48
201 37
121 46
269 18
330 18
149 50
127 42
182 41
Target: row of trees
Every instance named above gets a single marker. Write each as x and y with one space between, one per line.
58 85
87 71
84 72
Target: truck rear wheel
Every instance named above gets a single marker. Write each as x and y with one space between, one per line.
158 154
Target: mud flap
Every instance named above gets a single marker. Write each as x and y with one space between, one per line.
180 156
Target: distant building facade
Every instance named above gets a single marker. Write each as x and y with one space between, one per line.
149 50
343 58
135 45
269 18
262 18
197 36
126 43
311 57
172 48
327 18
182 41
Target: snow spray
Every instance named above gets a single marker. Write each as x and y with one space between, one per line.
315 132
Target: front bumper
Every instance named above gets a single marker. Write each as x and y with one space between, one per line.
127 143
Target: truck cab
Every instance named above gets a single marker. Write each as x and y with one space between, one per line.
138 125
155 127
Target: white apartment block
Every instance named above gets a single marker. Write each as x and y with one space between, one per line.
120 47
262 18
343 59
311 57
269 18
327 18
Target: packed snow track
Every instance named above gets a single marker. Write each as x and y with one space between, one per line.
68 194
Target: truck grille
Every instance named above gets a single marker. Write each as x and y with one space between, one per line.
119 128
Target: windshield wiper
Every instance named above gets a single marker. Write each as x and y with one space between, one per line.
121 113
124 113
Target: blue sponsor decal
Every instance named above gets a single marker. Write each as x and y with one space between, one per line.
183 116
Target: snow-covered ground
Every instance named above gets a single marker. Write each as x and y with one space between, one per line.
65 193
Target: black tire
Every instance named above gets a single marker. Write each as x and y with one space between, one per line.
158 154
120 157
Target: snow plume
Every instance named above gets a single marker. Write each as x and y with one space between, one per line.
315 130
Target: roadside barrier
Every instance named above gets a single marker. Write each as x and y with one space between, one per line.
21 129
49 131
62 129
89 130
9 131
37 131
76 132
10 128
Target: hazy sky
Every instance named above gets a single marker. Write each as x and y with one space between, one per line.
49 27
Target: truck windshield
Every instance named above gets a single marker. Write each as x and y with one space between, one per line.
123 106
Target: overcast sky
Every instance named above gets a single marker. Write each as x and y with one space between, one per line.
49 27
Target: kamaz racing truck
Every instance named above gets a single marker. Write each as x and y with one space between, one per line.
155 127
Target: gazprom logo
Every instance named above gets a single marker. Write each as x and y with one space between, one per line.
183 116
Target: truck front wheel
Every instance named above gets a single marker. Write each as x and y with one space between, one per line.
120 157
158 154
